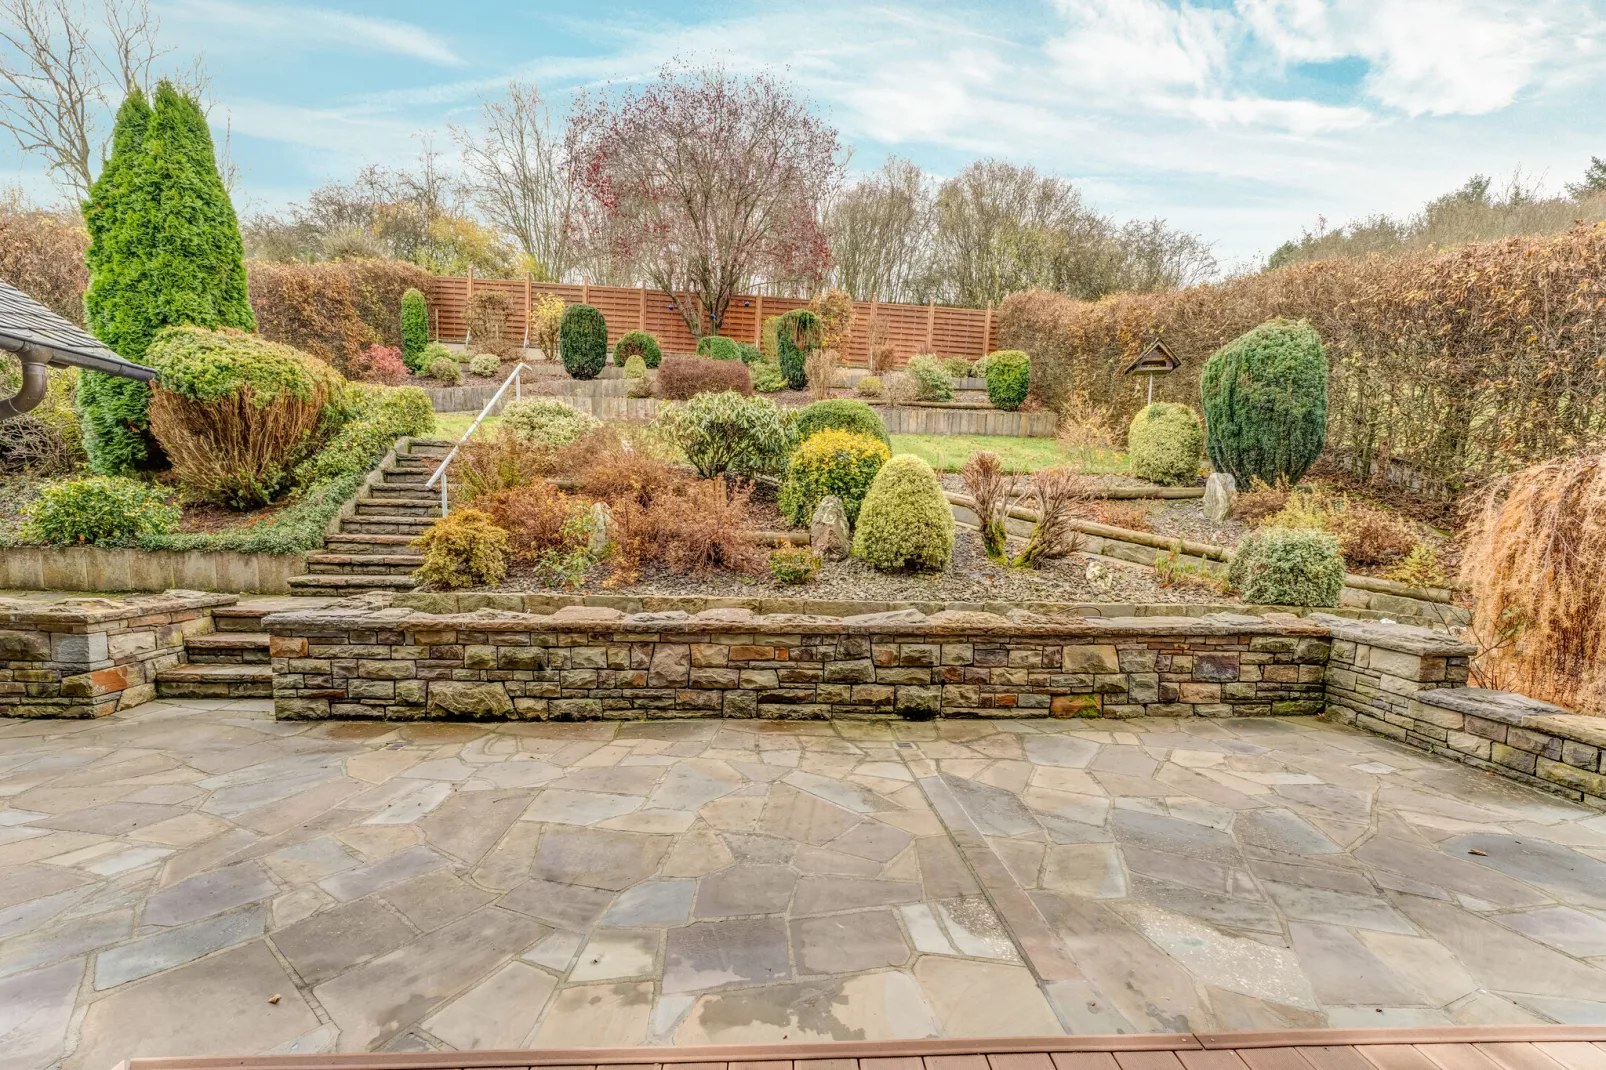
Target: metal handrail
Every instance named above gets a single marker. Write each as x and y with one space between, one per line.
440 472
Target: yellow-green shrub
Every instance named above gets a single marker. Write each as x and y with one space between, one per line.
905 521
464 549
831 462
1163 444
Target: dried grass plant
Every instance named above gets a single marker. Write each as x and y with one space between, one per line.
694 531
993 490
1056 494
820 366
1535 561
486 465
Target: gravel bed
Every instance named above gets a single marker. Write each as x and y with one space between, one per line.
1185 519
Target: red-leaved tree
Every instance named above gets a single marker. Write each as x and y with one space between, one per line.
707 182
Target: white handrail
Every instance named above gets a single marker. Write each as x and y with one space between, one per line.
440 472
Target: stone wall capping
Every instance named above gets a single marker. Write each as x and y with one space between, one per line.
1389 635
76 614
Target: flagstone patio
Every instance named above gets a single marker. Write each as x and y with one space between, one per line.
193 877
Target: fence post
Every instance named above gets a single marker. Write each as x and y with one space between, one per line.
468 333
643 306
758 317
585 291
931 324
526 310
987 331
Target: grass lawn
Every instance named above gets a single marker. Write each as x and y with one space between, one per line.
948 453
452 424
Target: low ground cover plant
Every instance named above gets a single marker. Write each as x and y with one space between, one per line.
98 511
1288 567
831 462
1163 444
869 386
794 565
1368 535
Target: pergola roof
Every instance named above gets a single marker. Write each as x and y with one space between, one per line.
27 325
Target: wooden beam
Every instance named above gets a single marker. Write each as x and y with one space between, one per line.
987 331
643 314
931 324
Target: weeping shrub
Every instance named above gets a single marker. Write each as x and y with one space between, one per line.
797 334
842 463
638 344
1285 567
1265 402
235 412
905 522
1009 378
844 414
1163 444
583 341
414 328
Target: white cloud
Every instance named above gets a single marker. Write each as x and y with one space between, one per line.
323 27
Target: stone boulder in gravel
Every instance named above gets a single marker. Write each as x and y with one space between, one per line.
1221 491
828 531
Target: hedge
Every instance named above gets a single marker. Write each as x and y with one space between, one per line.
335 310
583 341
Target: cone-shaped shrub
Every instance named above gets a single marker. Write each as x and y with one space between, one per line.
1265 402
1163 444
638 344
414 329
1009 377
165 250
905 522
583 341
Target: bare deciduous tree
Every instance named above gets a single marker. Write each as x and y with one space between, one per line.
523 178
880 230
709 182
57 72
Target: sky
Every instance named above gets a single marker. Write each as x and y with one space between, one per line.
1241 120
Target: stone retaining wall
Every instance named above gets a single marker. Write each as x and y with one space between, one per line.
582 663
87 657
97 568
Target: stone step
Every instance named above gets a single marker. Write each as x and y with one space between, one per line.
405 477
227 648
246 615
339 586
408 492
385 525
356 543
397 507
363 564
215 681
438 447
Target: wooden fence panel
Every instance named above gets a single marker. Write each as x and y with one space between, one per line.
912 329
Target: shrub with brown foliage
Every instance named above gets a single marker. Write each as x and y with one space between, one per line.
1260 500
333 310
42 254
993 491
534 516
821 367
1055 494
487 316
1117 514
1535 560
617 475
1446 365
694 531
486 465
680 378
378 364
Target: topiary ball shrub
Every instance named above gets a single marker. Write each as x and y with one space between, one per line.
98 511
1163 444
843 463
638 344
547 422
484 365
446 370
680 378
717 347
432 352
797 334
1265 402
869 386
905 522
234 412
464 549
1009 377
767 378
1287 567
932 381
583 341
724 431
414 329
844 414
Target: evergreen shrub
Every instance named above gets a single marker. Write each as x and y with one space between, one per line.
414 328
1163 444
463 549
1265 402
932 381
797 334
905 521
767 378
844 414
718 432
583 341
718 347
830 461
638 344
1009 378
98 511
446 370
484 365
547 422
1287 567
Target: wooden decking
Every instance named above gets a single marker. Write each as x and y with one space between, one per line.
1454 1048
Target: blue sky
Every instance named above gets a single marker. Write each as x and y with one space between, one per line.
1243 120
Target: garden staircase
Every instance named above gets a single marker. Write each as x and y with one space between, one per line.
371 551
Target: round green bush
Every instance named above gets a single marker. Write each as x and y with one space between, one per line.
583 341
638 344
98 511
1163 444
718 347
869 386
1009 377
414 329
797 334
432 352
635 367
932 381
547 422
721 431
844 414
446 370
830 461
767 378
905 522
749 352
1288 567
1265 402
485 365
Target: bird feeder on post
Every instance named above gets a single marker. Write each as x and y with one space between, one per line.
1156 360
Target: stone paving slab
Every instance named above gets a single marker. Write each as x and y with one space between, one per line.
165 872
